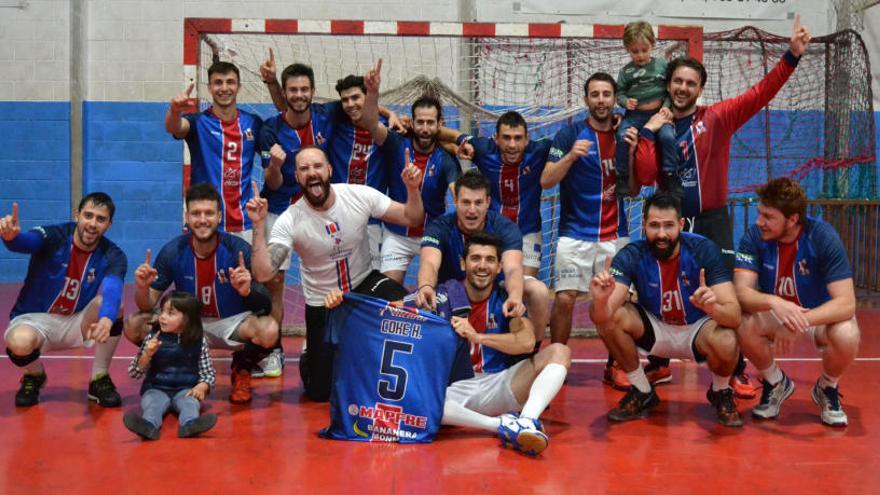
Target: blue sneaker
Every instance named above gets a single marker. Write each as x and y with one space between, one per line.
522 434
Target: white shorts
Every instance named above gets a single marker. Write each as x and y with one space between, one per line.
673 341
487 393
577 261
532 250
59 332
271 218
246 235
768 321
374 233
219 331
398 251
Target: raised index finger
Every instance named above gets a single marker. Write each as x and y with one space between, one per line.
255 188
190 88
702 277
147 259
379 65
14 212
797 23
271 54
241 259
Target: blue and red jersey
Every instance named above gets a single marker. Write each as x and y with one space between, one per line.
222 154
665 286
355 157
439 169
276 130
443 233
704 142
590 209
516 187
62 278
178 264
799 271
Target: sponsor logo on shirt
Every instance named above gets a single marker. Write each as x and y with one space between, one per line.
745 258
386 422
232 177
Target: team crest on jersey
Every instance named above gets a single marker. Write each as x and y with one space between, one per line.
431 172
802 268
90 278
699 128
319 139
526 170
382 422
248 134
491 324
332 229
685 281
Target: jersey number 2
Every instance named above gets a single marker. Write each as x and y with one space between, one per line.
397 390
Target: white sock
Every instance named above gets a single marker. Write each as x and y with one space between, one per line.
455 414
772 374
639 380
720 382
826 380
544 388
103 355
34 368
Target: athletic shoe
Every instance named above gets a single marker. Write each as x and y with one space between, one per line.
828 400
634 405
273 364
772 397
29 393
725 407
197 426
522 434
137 424
615 377
241 386
742 386
102 390
658 375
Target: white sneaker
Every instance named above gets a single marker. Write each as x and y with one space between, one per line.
828 400
273 364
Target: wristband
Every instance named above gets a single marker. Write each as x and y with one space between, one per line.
462 138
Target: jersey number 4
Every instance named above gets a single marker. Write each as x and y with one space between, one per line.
394 388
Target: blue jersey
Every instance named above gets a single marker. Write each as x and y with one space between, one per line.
485 316
390 371
222 154
178 264
276 130
443 233
665 286
62 278
589 208
439 169
516 187
799 271
355 157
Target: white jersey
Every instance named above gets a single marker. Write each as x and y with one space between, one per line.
332 245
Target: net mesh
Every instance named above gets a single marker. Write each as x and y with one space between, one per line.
818 129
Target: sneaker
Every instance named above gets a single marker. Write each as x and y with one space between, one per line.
828 399
772 397
272 365
137 424
634 405
523 434
742 386
102 390
29 392
241 386
615 377
197 426
725 407
658 375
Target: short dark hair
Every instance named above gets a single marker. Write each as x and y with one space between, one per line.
689 62
298 70
786 196
511 119
662 201
473 179
192 331
223 68
351 81
600 76
427 101
203 192
311 147
482 238
98 199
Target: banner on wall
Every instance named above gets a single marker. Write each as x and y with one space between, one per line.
699 9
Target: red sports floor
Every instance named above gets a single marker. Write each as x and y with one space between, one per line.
66 444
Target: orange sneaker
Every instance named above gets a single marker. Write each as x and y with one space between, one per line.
615 377
743 387
658 375
241 386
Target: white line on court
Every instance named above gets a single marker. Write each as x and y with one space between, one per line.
574 361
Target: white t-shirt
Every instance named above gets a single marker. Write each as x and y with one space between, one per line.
332 245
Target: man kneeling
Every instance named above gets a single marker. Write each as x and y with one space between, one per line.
678 315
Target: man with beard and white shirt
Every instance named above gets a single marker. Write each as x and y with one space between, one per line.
328 231
687 309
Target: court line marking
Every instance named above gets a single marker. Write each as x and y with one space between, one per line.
574 361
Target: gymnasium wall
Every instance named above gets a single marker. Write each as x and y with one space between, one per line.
123 61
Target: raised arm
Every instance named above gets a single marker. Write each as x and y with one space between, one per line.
411 214
265 260
174 123
372 81
554 172
268 73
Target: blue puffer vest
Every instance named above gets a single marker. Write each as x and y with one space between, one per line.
174 366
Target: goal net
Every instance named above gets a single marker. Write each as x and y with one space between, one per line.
480 71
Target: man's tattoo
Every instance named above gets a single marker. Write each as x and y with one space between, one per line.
278 254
